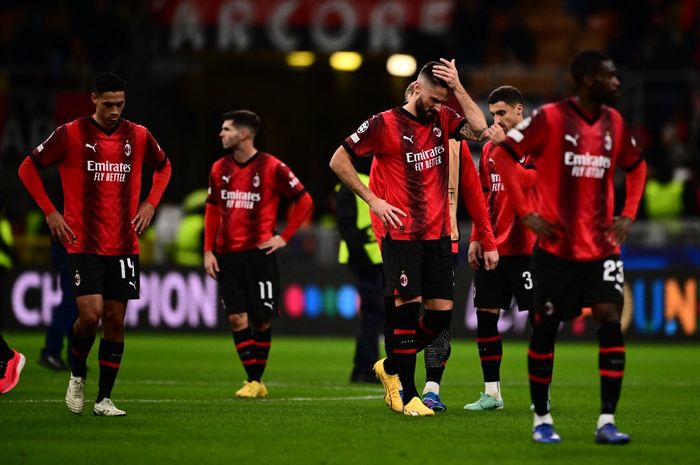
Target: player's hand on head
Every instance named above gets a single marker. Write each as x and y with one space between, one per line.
60 231
272 244
143 217
447 71
476 251
490 260
211 264
620 229
388 213
544 230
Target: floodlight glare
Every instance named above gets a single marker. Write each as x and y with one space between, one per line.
345 61
401 65
300 59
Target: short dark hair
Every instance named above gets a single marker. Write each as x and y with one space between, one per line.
587 63
508 94
108 82
245 118
427 73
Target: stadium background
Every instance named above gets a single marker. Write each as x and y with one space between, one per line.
188 62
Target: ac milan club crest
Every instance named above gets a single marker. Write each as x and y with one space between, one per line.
127 149
76 279
256 180
403 279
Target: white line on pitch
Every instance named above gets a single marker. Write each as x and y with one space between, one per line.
202 401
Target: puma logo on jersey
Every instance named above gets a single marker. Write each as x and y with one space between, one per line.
409 138
226 178
93 146
268 305
572 139
132 284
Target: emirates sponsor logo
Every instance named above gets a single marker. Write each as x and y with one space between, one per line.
427 158
108 171
585 165
240 199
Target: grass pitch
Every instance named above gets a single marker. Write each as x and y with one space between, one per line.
178 393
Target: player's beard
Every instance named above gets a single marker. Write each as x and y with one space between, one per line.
423 113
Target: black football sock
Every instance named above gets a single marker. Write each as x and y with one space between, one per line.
263 341
245 346
404 347
110 358
488 341
80 349
611 364
540 363
5 352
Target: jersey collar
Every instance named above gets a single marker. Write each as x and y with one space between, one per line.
103 130
590 119
248 161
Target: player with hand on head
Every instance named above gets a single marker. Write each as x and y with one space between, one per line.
408 193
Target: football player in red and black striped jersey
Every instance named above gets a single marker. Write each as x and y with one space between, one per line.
575 145
240 238
99 159
410 149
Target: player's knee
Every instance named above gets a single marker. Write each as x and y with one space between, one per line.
239 321
261 325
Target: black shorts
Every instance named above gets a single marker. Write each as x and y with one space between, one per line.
565 286
249 282
496 288
418 268
114 277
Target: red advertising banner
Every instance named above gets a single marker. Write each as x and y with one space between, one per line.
293 24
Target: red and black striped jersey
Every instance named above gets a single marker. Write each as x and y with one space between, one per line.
247 196
411 159
575 156
101 176
512 237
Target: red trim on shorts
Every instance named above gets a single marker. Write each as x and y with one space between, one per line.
539 379
608 350
612 373
107 363
536 356
243 344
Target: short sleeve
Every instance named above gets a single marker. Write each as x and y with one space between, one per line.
453 121
367 139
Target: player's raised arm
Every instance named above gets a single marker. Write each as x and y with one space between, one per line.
476 121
